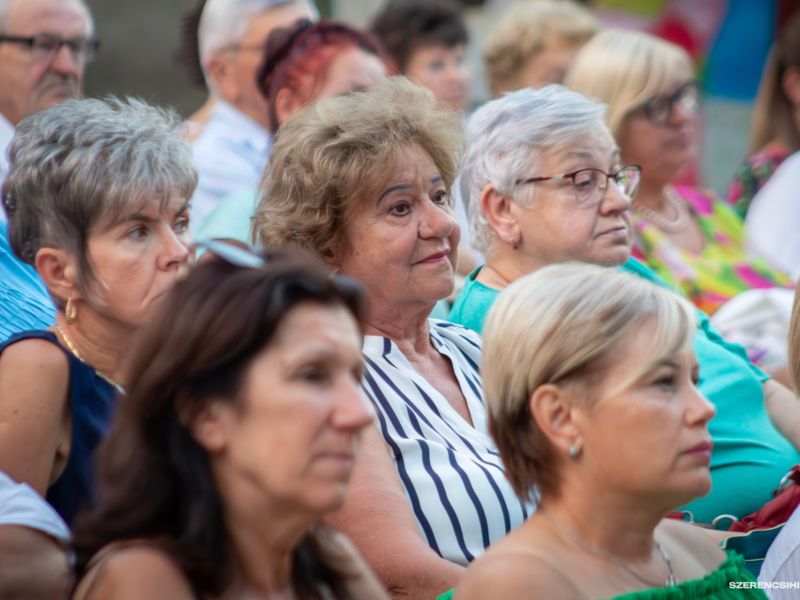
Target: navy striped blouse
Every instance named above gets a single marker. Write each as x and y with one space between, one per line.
451 471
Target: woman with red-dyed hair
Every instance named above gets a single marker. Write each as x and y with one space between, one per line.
302 64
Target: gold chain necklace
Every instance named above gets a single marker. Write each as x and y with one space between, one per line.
119 387
674 225
586 547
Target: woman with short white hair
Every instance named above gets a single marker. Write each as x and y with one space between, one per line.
543 184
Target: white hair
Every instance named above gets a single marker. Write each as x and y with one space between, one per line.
5 7
224 22
508 136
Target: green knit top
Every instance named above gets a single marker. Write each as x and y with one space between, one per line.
716 585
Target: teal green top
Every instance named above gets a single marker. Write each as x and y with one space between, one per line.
750 455
231 218
714 586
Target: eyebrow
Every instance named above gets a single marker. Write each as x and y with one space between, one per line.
140 216
406 186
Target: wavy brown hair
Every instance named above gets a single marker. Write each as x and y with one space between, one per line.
154 479
333 155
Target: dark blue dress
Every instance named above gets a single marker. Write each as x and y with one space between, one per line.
92 400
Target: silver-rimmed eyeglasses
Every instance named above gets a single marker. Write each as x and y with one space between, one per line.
590 184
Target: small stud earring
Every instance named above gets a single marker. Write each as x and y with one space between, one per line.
575 449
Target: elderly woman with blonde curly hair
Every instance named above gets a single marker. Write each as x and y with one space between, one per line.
364 180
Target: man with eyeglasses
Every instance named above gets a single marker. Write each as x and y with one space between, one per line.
44 47
232 150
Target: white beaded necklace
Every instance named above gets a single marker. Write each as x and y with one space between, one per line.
674 225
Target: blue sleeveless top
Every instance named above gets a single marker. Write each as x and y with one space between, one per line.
92 400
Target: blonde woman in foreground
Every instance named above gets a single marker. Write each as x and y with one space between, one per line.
590 379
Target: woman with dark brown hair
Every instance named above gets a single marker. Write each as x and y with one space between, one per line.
237 435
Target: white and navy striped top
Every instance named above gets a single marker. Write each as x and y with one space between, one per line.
451 471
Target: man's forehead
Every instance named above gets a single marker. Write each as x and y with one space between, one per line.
283 15
70 17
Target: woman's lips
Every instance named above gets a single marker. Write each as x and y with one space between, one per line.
436 257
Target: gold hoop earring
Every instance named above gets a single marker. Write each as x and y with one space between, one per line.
70 312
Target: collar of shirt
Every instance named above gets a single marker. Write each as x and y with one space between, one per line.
239 127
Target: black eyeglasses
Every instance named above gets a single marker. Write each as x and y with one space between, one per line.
590 185
45 46
659 109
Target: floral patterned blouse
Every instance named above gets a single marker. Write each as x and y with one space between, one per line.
751 176
721 270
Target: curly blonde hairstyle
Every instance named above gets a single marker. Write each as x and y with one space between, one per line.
332 156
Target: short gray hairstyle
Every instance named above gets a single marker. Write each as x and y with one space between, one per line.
90 161
508 136
5 7
225 22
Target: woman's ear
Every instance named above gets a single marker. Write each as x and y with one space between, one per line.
791 85
498 210
213 427
59 271
286 104
551 407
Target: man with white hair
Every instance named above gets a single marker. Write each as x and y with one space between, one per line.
233 148
44 48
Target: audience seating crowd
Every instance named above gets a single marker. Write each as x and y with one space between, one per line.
343 334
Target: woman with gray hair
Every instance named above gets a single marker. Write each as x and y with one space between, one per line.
97 200
532 203
575 354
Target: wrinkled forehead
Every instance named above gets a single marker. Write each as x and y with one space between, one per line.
67 18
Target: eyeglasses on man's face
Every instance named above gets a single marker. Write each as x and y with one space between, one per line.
660 108
45 46
590 185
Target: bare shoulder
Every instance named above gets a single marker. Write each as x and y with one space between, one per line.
694 541
515 575
34 367
138 571
32 355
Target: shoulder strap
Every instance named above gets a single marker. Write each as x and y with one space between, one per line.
42 334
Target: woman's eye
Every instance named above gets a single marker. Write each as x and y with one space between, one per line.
400 209
665 381
314 374
436 65
441 197
182 224
138 233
